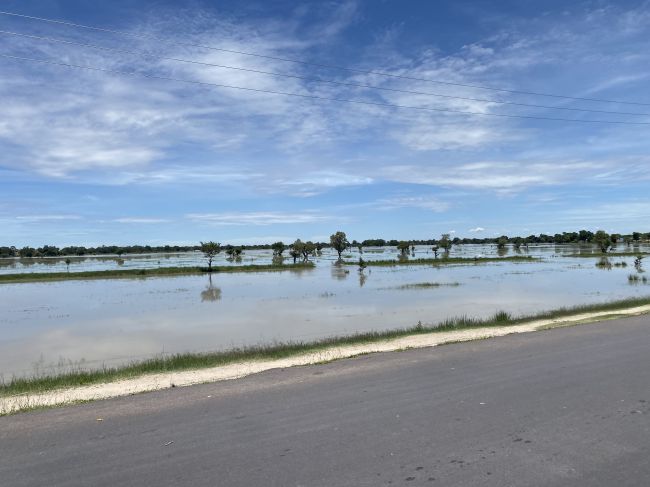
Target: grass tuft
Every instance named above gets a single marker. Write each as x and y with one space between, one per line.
426 285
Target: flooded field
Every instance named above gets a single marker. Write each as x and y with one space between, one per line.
48 327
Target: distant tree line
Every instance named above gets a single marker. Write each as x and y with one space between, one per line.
583 236
338 242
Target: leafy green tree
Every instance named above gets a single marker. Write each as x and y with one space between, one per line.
296 248
435 249
27 252
403 247
67 263
445 242
502 241
309 248
210 251
339 242
603 240
230 251
278 248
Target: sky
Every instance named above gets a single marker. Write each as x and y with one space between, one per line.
117 155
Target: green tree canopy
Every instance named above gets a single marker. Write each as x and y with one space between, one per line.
210 250
339 242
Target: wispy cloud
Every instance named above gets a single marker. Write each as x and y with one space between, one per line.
422 202
144 221
257 218
46 218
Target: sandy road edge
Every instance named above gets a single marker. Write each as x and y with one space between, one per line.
153 382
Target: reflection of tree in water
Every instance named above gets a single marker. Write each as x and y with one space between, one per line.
362 278
339 272
211 292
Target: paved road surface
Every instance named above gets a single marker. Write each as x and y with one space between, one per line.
563 407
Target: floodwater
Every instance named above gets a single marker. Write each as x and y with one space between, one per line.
50 327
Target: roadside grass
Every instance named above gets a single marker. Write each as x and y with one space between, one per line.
144 273
280 350
448 260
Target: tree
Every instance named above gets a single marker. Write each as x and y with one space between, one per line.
278 248
435 249
445 242
638 263
67 263
296 248
339 242
27 252
603 240
403 247
210 250
308 249
502 242
230 251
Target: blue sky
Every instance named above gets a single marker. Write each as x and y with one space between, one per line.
90 157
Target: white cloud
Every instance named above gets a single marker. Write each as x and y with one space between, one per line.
476 230
46 218
107 129
497 176
422 202
257 218
138 220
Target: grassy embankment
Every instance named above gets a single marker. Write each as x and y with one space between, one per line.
141 273
188 361
608 254
447 261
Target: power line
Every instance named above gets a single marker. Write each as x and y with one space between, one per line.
320 65
315 97
308 78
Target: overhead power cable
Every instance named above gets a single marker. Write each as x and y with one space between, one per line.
308 78
315 97
320 65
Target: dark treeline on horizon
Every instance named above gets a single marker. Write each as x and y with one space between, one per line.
582 236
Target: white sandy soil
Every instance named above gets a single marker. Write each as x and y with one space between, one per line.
153 382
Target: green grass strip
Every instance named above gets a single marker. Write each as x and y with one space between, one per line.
608 254
447 261
426 285
143 273
188 361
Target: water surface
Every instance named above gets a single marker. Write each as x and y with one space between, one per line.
91 323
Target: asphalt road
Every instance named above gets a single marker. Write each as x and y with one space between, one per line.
563 407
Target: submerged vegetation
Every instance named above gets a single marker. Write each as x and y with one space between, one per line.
141 273
426 285
188 361
636 279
